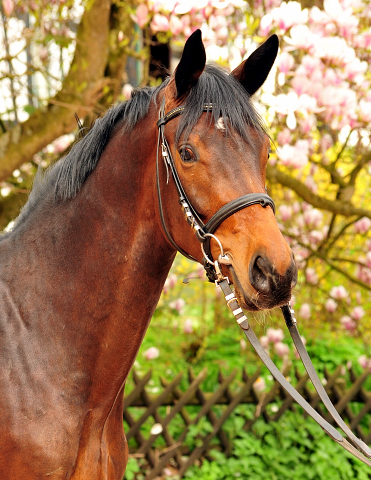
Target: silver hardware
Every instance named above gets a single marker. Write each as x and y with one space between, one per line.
220 246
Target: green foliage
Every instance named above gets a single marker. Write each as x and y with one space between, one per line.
294 448
132 469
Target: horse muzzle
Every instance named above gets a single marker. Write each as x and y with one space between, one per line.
264 287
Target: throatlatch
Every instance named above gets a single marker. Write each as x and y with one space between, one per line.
204 233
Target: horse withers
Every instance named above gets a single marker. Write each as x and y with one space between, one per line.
83 268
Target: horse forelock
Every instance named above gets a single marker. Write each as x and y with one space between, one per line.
229 100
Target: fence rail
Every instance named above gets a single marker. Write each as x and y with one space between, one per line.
156 413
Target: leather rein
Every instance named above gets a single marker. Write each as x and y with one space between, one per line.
204 233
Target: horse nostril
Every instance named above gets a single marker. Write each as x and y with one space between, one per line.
259 274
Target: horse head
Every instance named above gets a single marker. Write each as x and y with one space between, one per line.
220 149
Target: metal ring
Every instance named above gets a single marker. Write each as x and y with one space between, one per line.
220 246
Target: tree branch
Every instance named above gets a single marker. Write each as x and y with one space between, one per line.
335 206
82 87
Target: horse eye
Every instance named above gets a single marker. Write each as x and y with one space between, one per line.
186 154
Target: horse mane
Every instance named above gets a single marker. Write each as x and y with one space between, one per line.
228 98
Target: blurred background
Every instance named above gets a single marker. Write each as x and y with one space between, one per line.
62 59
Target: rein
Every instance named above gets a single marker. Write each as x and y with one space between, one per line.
204 233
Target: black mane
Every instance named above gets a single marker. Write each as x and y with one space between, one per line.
228 98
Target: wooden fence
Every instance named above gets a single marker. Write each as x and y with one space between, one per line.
148 416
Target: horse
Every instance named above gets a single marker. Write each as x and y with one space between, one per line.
82 270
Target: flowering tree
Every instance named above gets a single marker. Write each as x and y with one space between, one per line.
57 58
317 104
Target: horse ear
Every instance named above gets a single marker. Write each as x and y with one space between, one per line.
253 72
191 64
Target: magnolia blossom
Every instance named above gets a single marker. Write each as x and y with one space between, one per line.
188 326
264 340
313 217
281 349
348 323
127 90
331 305
152 353
289 14
285 62
338 293
357 313
141 16
177 305
275 335
259 384
170 282
311 276
160 23
294 156
365 362
363 225
8 6
304 311
285 212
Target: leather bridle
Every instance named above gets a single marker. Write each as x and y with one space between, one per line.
204 233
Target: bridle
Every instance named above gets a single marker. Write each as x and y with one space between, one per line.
204 233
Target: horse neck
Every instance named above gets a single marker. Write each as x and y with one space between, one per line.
95 265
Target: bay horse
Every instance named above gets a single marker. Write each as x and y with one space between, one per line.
83 268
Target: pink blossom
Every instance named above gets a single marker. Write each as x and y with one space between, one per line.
348 323
357 313
259 385
281 349
275 335
364 362
266 24
285 62
243 344
177 305
313 217
294 156
364 111
302 38
160 23
8 6
355 69
152 353
127 90
339 293
304 311
311 276
285 212
289 14
264 340
363 225
141 16
331 305
176 25
170 282
284 136
188 326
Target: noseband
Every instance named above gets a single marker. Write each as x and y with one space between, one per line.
204 233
